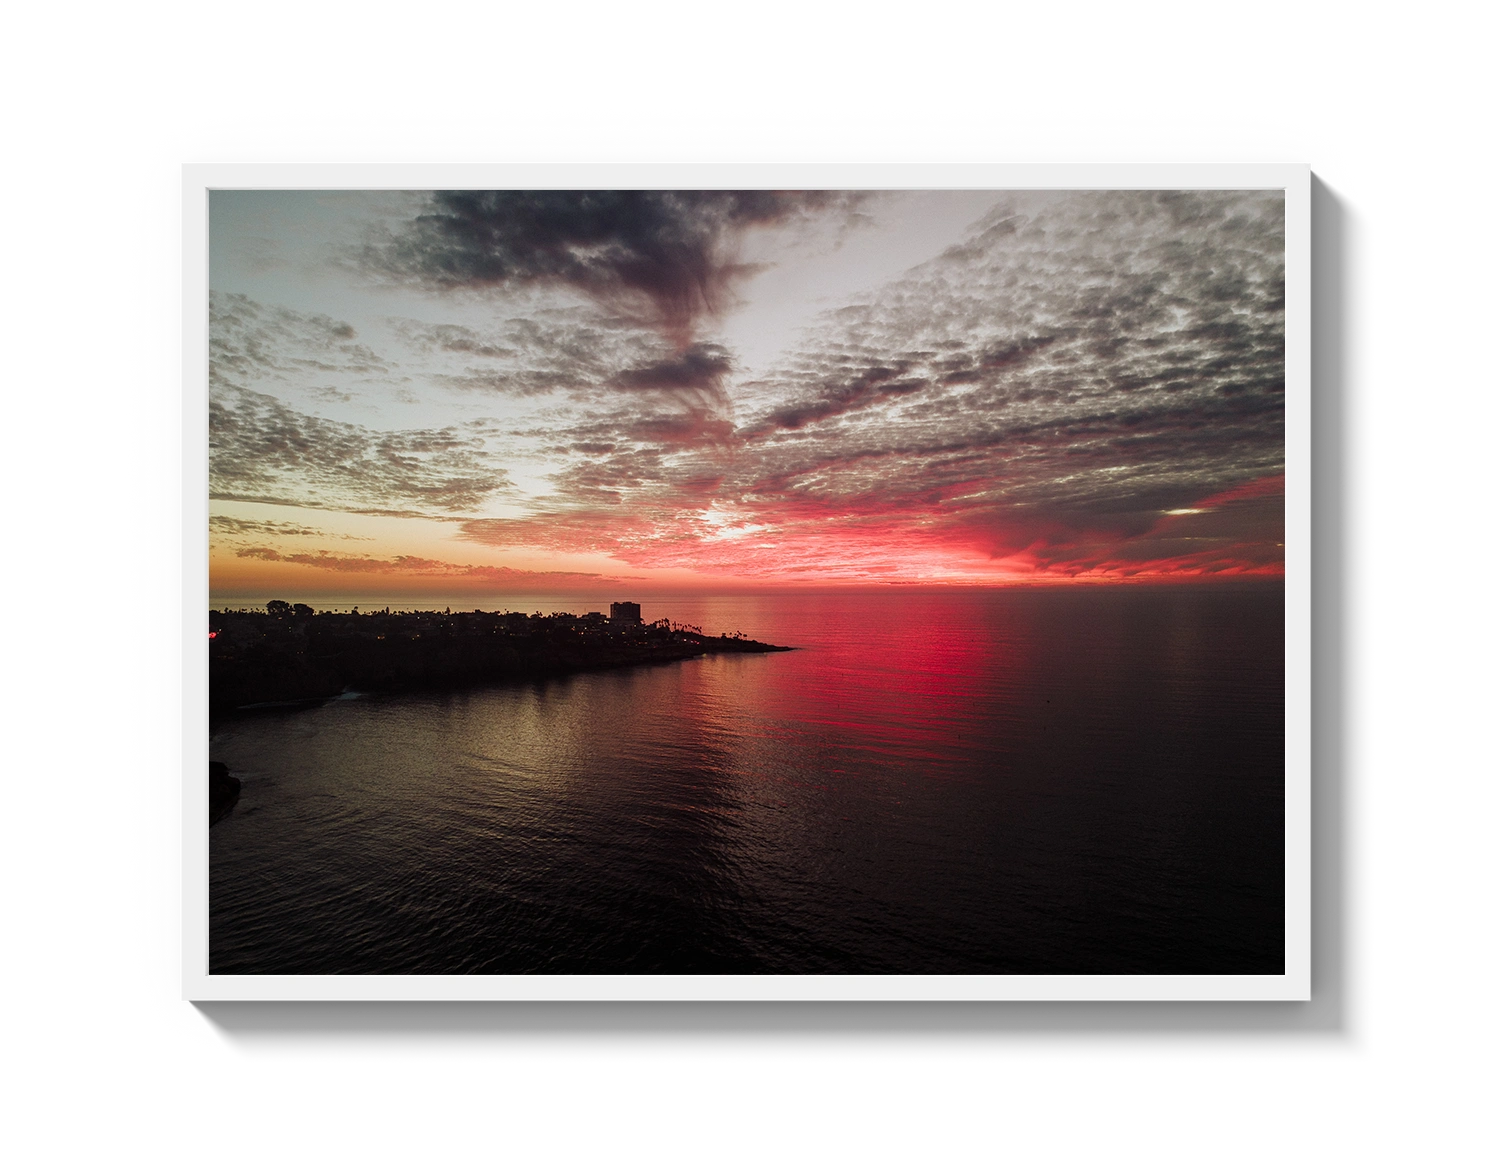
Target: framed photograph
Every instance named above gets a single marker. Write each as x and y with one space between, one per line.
746 582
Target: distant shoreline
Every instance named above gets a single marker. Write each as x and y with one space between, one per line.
343 602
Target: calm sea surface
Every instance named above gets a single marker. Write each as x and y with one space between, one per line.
1076 780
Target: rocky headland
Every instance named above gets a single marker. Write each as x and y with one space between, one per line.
289 653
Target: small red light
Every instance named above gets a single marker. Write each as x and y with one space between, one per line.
213 633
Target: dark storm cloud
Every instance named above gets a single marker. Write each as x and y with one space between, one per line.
615 384
1238 530
672 251
701 367
679 401
262 450
846 390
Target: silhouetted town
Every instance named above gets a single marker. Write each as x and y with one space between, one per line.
290 652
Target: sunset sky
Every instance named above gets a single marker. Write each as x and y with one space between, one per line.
489 392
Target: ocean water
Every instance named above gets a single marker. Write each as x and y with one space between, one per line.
1084 780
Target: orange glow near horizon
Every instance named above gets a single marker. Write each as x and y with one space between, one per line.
843 551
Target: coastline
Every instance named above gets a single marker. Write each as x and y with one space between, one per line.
287 657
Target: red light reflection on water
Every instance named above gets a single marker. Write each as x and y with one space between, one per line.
895 675
911 687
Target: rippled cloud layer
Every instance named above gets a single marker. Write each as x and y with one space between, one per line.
1081 385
